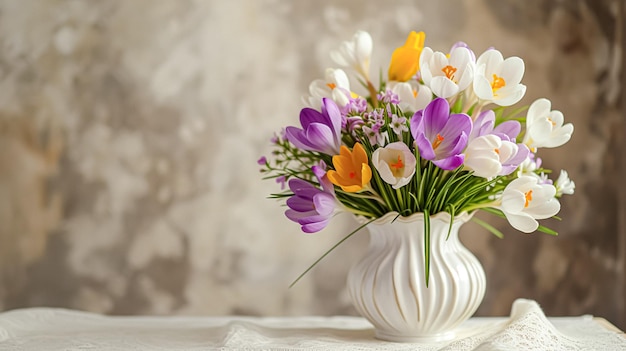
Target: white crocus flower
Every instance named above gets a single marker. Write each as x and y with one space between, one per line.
395 164
445 76
498 80
355 53
335 86
413 96
564 185
487 155
524 201
544 128
529 166
481 156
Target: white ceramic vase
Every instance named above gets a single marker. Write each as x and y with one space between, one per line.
388 285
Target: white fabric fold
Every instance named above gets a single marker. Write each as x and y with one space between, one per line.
527 328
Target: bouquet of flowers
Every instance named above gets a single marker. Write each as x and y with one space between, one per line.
437 135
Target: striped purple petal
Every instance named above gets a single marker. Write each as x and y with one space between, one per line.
321 131
436 114
450 163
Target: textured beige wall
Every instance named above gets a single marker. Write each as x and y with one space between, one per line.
129 133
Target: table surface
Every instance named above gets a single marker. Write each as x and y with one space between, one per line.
61 329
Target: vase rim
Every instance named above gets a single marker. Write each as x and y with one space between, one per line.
394 216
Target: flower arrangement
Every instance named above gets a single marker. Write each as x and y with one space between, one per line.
437 135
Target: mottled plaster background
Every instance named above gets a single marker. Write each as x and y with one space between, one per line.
130 130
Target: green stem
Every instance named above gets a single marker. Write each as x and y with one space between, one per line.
373 93
375 195
400 198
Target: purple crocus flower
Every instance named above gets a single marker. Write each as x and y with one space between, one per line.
440 136
484 124
311 207
319 170
321 131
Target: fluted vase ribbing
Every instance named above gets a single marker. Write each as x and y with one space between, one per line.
388 285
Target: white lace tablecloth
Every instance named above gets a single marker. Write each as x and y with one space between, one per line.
58 329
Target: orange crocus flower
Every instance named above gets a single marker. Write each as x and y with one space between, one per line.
352 171
405 59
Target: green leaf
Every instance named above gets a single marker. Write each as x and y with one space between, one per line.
330 250
363 83
394 218
458 105
499 213
427 244
471 110
489 227
493 211
517 112
547 230
452 211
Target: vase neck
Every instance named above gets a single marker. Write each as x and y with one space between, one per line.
412 231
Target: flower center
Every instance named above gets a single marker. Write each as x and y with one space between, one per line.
352 175
396 167
414 93
497 83
437 142
331 85
529 197
551 121
449 71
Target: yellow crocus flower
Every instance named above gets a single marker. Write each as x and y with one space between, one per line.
405 59
352 171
